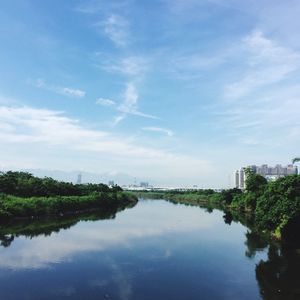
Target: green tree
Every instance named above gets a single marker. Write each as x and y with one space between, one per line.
279 204
255 185
254 182
24 184
227 196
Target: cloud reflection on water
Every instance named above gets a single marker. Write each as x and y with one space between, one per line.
147 219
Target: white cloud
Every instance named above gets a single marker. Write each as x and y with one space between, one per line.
267 63
118 119
129 65
134 68
43 129
134 65
105 102
129 104
71 92
116 28
130 97
269 119
42 125
66 91
264 102
168 132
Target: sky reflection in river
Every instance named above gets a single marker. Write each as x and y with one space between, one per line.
145 220
154 250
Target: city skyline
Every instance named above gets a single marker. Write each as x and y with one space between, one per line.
269 172
177 92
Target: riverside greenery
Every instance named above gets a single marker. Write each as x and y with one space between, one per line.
274 204
23 195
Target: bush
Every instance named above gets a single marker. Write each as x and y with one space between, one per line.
12 206
279 203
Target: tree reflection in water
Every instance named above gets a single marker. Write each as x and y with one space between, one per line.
31 228
278 277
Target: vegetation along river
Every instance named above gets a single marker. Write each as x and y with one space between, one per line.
155 250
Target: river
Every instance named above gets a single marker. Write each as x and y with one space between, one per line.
155 250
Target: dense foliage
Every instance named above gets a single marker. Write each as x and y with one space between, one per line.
24 184
276 204
24 195
279 203
188 197
12 206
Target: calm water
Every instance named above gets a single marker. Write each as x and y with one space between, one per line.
156 250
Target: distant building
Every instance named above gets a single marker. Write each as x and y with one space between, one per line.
242 178
79 179
270 173
237 179
111 183
144 184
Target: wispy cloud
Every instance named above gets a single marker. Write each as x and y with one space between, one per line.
129 104
134 69
105 102
66 91
267 63
117 119
44 128
71 92
116 28
168 132
269 119
260 107
133 66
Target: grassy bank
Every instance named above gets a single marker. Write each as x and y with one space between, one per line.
23 195
192 197
17 207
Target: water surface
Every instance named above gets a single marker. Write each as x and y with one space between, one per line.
156 250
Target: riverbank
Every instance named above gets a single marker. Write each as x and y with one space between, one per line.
36 207
274 205
23 195
192 197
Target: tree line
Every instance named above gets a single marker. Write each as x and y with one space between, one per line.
276 204
23 184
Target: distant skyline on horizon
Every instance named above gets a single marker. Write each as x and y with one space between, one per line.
180 92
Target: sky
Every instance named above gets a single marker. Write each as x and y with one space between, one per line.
176 92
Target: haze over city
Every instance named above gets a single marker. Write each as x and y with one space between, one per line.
171 91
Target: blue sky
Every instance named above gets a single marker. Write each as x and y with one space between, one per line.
172 91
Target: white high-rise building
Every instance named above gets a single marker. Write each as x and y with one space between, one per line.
237 178
240 178
270 173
